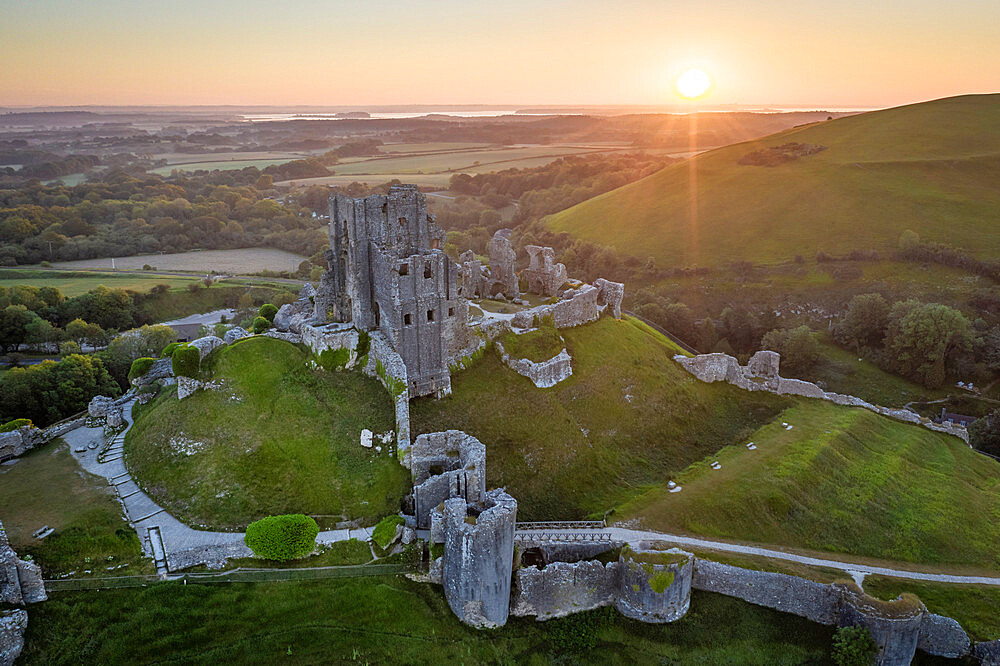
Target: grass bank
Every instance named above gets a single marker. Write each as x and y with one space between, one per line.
628 417
976 608
277 438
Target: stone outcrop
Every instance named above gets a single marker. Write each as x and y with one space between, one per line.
478 558
445 465
162 368
987 652
17 442
543 275
543 374
99 406
761 374
293 316
563 588
207 345
655 585
20 581
234 334
503 277
12 627
610 295
186 386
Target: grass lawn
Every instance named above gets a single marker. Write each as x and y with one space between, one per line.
242 261
48 487
930 167
977 608
628 417
382 620
278 438
75 283
843 480
538 345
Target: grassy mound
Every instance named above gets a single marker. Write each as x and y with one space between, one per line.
842 480
276 438
538 345
628 417
930 167
381 620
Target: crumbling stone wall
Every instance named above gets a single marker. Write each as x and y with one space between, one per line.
610 295
563 588
333 337
445 465
20 581
388 367
478 558
761 374
894 626
577 307
13 624
943 636
475 282
207 345
543 275
293 316
503 277
544 374
641 591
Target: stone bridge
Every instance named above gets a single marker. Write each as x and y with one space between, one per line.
587 531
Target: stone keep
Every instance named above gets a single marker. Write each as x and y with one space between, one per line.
474 283
446 465
388 272
478 558
503 278
655 585
543 275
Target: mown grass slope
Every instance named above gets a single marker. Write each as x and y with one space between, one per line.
629 416
383 620
931 167
277 438
841 480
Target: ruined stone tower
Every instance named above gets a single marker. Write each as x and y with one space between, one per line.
388 272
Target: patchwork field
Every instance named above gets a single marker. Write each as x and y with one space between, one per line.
930 167
277 438
842 480
48 487
242 261
222 165
390 620
627 418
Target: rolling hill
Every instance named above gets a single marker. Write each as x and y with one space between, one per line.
932 167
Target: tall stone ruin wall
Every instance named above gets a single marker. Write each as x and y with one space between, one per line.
564 588
445 465
20 581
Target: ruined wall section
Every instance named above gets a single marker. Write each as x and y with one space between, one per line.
895 626
564 588
654 591
543 374
445 465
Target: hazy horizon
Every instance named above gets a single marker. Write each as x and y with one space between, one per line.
318 54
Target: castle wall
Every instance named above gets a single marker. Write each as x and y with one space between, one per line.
446 465
544 374
638 596
896 631
563 588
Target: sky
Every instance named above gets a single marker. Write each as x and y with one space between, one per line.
804 53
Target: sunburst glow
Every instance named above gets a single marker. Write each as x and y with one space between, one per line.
693 83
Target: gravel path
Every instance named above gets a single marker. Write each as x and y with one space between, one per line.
184 546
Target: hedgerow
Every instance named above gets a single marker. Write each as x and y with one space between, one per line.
282 538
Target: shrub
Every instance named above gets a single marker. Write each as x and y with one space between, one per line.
140 367
169 349
267 311
282 538
385 531
798 348
853 646
334 359
69 347
260 324
193 287
11 426
186 360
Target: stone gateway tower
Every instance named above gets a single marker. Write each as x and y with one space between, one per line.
388 272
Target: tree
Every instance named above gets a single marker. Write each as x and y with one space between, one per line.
14 322
922 339
853 646
865 320
798 348
984 433
740 327
133 344
52 390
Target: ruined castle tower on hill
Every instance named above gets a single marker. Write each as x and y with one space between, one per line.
388 272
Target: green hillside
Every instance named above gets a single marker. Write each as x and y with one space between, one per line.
932 167
629 416
841 480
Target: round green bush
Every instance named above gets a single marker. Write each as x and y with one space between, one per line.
169 349
268 310
140 367
11 426
186 360
282 538
260 324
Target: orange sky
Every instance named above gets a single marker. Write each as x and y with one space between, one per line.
335 52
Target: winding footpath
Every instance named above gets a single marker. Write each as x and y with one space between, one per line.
172 544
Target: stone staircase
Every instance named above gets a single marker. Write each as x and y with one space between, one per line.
113 450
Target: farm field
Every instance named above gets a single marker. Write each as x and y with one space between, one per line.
277 438
48 487
223 165
628 417
841 480
70 180
434 146
429 180
236 156
242 261
74 284
929 167
384 619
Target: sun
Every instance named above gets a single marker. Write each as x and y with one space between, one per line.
693 83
